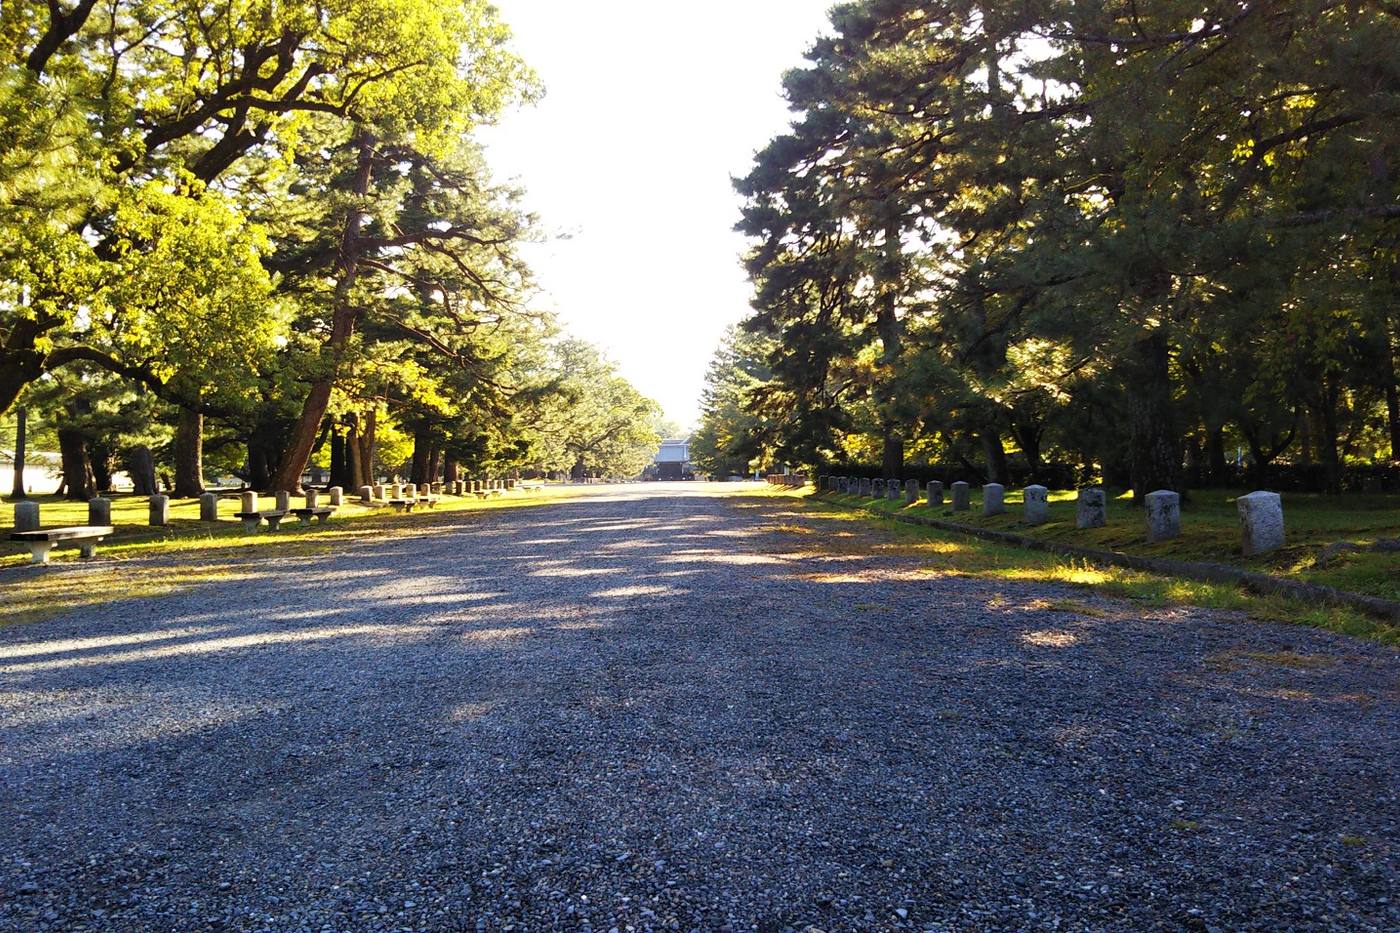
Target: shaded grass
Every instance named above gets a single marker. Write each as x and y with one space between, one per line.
1210 531
839 519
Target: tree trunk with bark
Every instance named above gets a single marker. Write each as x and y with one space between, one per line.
422 456
77 470
434 462
103 459
1153 441
189 454
21 434
343 317
994 452
339 475
1216 467
367 441
449 469
141 467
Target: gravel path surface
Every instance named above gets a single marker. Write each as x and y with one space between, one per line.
654 708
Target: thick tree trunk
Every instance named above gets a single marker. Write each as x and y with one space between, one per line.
339 476
1327 438
449 469
995 454
343 316
189 454
103 460
422 456
1216 467
21 360
434 463
77 471
21 434
141 467
1153 441
367 441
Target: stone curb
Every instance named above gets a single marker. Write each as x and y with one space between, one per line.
1202 571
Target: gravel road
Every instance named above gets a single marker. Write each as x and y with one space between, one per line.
660 708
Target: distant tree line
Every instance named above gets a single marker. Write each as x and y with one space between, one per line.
1135 238
252 237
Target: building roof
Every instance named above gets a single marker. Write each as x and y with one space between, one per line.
675 450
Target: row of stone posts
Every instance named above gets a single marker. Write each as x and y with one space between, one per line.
1260 513
158 508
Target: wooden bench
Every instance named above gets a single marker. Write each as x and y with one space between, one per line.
251 520
321 513
42 540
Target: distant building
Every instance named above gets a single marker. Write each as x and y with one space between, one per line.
673 459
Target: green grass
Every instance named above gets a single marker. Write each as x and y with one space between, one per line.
839 518
1210 531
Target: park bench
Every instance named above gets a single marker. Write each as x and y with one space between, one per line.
321 514
430 501
251 520
532 487
488 493
42 540
403 505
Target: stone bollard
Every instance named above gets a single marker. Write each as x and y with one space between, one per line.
1261 522
863 489
396 490
993 499
248 502
1090 508
1037 504
961 500
336 497
99 511
410 491
366 495
26 516
378 490
893 490
209 507
159 510
313 497
911 491
284 500
1163 509
934 493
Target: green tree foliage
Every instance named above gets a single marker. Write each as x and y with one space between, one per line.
1107 232
733 434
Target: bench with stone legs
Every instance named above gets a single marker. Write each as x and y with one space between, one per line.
532 487
488 493
404 504
42 540
251 520
321 514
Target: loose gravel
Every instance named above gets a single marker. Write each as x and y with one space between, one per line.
654 708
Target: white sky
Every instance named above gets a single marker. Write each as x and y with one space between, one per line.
650 107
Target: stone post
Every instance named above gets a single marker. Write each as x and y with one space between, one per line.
961 500
209 507
26 516
249 502
313 497
410 491
1163 509
100 511
396 491
911 491
934 492
993 499
336 497
1090 508
1037 505
159 510
1261 522
892 490
284 500
366 495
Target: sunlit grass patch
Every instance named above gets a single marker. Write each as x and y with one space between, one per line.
948 552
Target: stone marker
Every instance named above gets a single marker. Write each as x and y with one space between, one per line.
892 490
961 501
1261 521
336 495
993 499
284 500
378 490
209 507
1037 504
396 491
159 510
911 491
313 497
26 516
1090 508
1163 509
249 502
366 495
99 511
934 493
410 491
